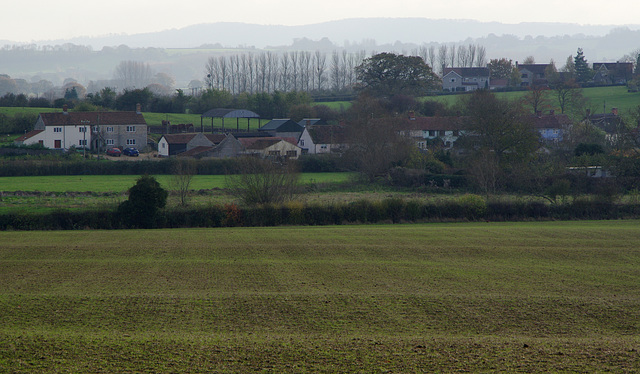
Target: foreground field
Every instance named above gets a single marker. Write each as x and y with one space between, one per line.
560 297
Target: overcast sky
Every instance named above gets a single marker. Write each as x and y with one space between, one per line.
35 20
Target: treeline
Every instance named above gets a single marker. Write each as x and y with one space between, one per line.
464 208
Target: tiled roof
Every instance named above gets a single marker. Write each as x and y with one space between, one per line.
28 135
215 138
551 121
534 68
282 125
328 134
179 138
195 151
437 123
95 118
263 142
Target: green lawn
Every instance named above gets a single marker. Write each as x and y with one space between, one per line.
478 297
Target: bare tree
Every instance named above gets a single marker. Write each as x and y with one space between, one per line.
481 57
319 67
183 171
442 58
263 181
133 74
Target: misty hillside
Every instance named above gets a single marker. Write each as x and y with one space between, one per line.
382 30
182 53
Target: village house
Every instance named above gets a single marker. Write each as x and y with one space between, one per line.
431 132
226 148
174 144
465 79
532 74
90 130
318 139
612 72
551 127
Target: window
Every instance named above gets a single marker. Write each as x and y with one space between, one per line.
109 141
274 153
453 80
432 133
164 145
302 142
131 129
82 129
324 146
131 142
82 142
109 128
525 75
57 129
442 133
292 153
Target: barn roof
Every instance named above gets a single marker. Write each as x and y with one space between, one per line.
229 113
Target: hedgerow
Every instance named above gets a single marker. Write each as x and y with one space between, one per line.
466 208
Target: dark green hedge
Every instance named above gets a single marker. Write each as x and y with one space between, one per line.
467 208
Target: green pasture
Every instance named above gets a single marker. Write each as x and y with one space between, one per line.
598 97
120 183
476 297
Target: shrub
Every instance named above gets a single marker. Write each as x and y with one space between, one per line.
146 198
473 206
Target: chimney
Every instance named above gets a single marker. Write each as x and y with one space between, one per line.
138 108
614 111
65 109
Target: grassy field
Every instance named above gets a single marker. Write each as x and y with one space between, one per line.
613 97
120 183
525 297
69 192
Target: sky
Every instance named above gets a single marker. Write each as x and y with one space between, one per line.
41 20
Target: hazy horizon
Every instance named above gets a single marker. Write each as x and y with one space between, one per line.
39 20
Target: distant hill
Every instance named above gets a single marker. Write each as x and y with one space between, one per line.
382 30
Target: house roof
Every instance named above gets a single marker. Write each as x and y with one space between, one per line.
264 142
551 121
215 138
282 125
195 151
311 121
179 138
28 135
538 69
468 72
437 123
327 134
625 66
94 118
229 113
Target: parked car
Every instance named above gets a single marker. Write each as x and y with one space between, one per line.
131 152
116 152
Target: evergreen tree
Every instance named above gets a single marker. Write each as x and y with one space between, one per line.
583 72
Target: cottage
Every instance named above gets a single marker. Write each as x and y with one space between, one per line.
90 130
317 139
552 127
612 72
465 79
174 144
532 74
429 131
